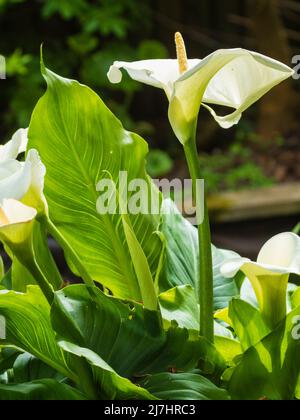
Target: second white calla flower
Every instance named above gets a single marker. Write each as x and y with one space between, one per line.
269 275
16 220
15 146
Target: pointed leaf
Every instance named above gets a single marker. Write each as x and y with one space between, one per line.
80 141
183 386
46 389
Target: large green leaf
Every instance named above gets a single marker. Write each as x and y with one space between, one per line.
271 368
183 386
46 389
81 142
228 348
28 327
127 337
108 384
182 257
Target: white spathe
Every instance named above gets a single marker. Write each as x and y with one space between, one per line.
15 146
269 275
235 78
14 212
279 255
16 225
23 180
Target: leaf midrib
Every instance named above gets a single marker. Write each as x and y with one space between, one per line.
122 257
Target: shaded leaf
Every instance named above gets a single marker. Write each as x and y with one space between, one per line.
271 368
127 337
28 327
183 386
46 389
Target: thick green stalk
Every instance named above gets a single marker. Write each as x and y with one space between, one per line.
70 251
205 288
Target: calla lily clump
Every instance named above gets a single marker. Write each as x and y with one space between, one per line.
234 78
147 331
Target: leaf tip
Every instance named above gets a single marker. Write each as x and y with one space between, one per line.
42 64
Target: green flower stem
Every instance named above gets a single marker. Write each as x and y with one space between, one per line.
69 250
205 288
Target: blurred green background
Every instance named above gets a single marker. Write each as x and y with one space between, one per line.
83 37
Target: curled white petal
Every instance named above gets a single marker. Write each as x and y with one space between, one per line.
13 212
282 250
20 179
231 267
15 179
279 255
158 73
15 146
235 78
38 172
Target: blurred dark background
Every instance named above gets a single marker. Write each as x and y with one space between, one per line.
83 37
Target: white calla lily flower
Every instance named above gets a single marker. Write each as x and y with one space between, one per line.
24 181
16 221
269 275
15 146
235 78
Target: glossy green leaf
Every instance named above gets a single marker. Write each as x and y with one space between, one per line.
28 327
271 368
183 386
182 261
228 348
80 141
141 266
127 337
108 383
180 304
46 389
